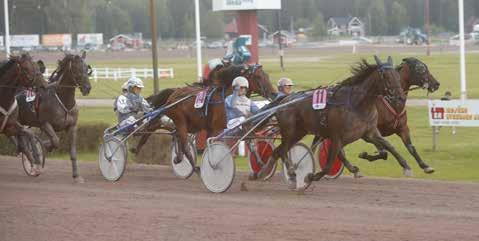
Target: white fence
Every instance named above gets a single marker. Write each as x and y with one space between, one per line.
125 73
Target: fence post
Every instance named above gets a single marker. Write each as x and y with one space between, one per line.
106 73
145 73
95 75
133 72
435 131
172 75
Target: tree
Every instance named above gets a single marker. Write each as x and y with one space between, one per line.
378 17
319 27
399 18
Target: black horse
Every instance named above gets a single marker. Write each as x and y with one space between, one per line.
56 106
16 73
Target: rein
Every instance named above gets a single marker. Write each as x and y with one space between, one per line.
397 116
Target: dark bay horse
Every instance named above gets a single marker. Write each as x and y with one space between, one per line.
187 119
350 115
392 117
17 72
56 106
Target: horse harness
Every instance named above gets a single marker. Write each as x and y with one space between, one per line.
7 114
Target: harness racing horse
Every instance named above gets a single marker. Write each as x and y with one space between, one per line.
18 72
56 106
392 118
350 115
221 77
212 116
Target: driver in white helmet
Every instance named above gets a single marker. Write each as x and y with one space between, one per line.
238 106
285 87
131 104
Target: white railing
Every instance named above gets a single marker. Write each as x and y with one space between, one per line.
125 73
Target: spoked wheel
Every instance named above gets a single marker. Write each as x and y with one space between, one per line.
264 149
337 167
184 169
35 148
303 161
112 158
217 167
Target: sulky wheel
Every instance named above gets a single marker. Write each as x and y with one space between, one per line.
184 169
303 161
337 167
112 158
217 167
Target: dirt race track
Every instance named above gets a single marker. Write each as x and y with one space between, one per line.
150 203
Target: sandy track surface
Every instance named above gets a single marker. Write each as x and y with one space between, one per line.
150 203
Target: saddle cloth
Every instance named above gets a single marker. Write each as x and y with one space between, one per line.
201 99
30 95
320 97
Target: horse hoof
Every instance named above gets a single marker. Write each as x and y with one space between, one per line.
292 183
78 180
253 176
358 174
35 172
428 170
243 187
177 160
363 155
408 172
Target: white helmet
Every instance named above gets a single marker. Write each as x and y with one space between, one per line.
134 81
284 82
213 63
240 81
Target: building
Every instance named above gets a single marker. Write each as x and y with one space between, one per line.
339 26
122 41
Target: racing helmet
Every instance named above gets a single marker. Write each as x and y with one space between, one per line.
240 81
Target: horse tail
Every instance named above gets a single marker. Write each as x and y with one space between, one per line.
160 98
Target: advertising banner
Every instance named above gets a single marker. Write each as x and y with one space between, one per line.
453 113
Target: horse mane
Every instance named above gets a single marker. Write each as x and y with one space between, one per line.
226 74
359 72
6 64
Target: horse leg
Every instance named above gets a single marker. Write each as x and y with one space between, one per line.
334 150
143 139
406 139
15 142
377 139
54 141
353 169
72 134
182 138
382 154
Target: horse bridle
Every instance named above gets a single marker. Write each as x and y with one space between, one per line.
250 73
418 69
75 76
389 96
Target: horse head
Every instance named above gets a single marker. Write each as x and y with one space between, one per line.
259 81
419 74
79 70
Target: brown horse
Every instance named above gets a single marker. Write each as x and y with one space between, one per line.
221 76
211 117
350 115
56 107
17 72
392 118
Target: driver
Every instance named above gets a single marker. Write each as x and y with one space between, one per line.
130 105
237 105
285 87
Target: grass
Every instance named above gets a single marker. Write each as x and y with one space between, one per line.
304 71
455 159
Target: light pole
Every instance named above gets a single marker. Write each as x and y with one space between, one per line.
7 29
154 48
198 40
462 51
